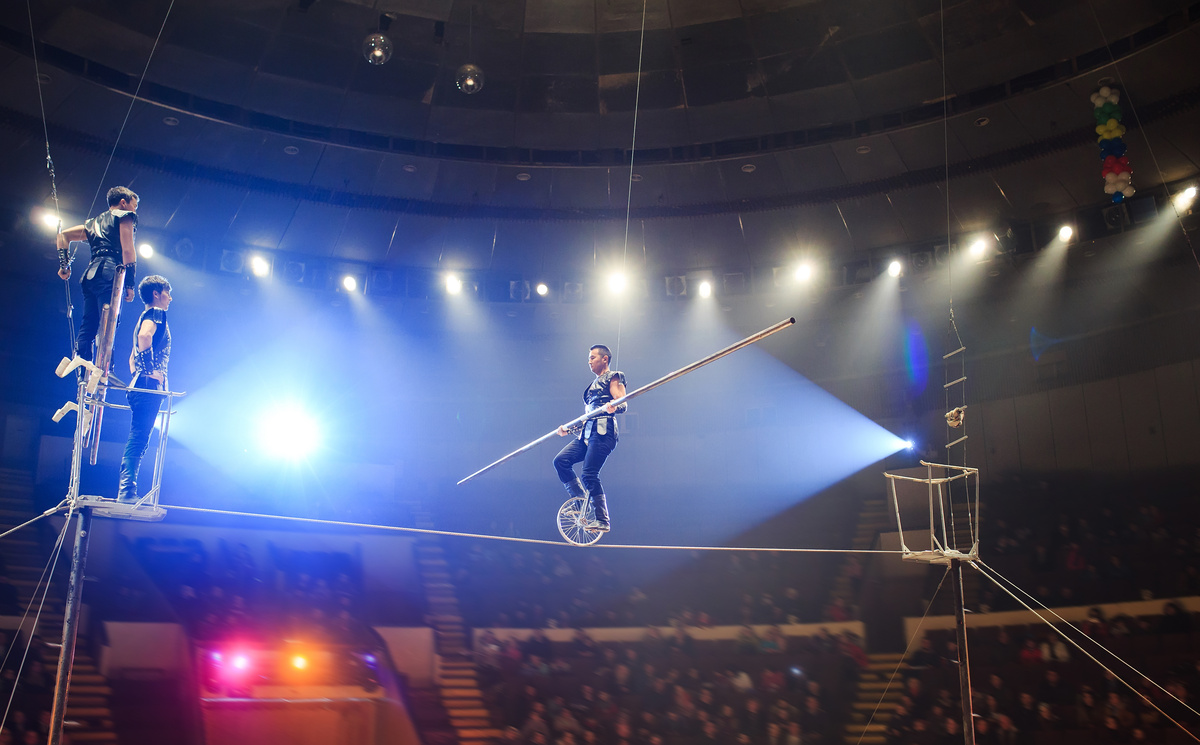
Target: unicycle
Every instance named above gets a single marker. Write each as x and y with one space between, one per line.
573 518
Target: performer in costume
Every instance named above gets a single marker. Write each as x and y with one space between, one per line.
148 364
110 237
598 437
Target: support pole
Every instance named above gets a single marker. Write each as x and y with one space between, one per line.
964 667
66 658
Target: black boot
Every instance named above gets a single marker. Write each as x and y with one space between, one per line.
575 489
601 506
127 490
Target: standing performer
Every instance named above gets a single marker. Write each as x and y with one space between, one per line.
110 236
598 437
148 364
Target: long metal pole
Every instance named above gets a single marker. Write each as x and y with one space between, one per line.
66 658
644 389
104 350
964 666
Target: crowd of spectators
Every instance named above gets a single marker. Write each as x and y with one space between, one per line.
515 587
1029 686
310 595
760 689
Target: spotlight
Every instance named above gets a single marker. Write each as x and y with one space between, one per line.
909 444
617 283
1065 233
288 432
217 657
978 248
145 250
454 285
1184 199
542 289
241 662
705 289
349 283
50 220
299 662
469 79
377 49
259 266
804 272
894 268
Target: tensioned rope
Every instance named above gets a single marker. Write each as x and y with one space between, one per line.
1141 130
132 101
1060 632
637 96
514 539
27 523
900 663
48 576
1093 640
37 80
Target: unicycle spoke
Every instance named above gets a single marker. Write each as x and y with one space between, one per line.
573 517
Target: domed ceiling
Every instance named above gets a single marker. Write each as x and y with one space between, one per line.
763 127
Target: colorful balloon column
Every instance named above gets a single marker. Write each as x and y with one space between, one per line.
1115 168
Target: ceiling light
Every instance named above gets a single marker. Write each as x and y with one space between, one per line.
377 49
1184 199
894 268
617 282
804 272
145 250
469 78
454 285
1065 233
349 283
749 168
862 149
982 121
542 289
705 289
978 248
259 266
291 150
523 176
171 121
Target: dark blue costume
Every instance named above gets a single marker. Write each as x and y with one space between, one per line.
104 239
593 446
144 406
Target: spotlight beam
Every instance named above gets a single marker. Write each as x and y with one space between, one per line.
785 323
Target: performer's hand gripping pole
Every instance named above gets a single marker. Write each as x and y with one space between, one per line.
644 389
104 350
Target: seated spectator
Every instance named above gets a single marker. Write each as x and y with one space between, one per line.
741 682
773 642
747 640
924 658
681 642
1174 620
772 680
1053 649
538 644
583 645
1030 655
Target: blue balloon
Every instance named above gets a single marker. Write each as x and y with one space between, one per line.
1118 197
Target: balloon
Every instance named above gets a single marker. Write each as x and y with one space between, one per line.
1110 188
1118 197
1129 191
1110 130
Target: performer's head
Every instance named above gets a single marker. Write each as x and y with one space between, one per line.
122 198
598 358
155 291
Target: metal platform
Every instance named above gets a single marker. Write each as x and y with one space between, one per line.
144 509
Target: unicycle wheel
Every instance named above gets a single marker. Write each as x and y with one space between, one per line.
573 518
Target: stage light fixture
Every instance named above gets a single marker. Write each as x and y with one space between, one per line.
349 283
543 289
1065 233
377 49
259 266
50 220
1185 198
978 248
617 283
232 261
804 272
706 289
469 78
299 662
288 432
894 268
145 250
241 662
909 444
454 285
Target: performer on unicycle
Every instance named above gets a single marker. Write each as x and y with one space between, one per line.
597 438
